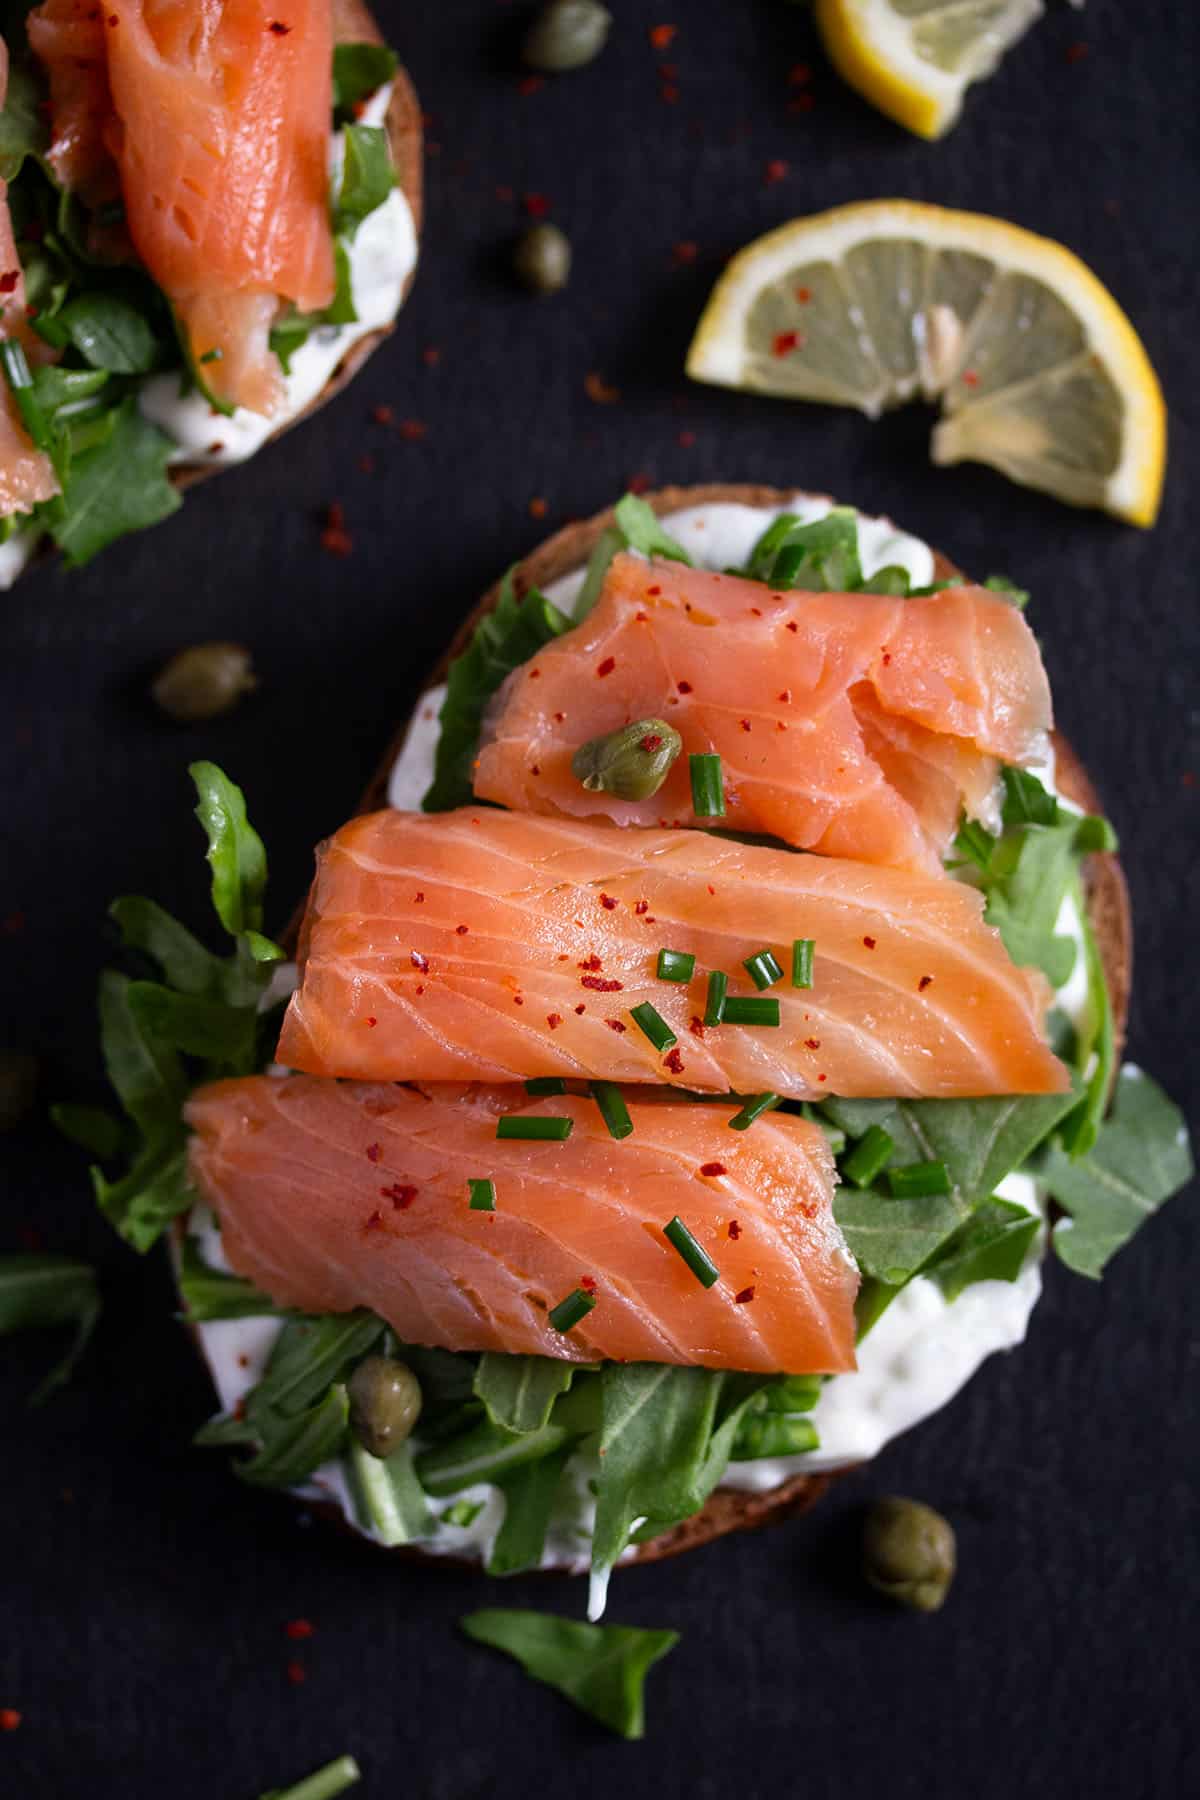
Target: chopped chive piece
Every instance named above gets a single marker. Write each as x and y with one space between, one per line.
754 1108
568 1312
675 965
763 970
869 1156
483 1196
323 1784
516 1125
714 1005
613 1110
750 1010
802 962
211 356
708 790
919 1179
546 1084
20 382
697 1259
462 1513
651 1024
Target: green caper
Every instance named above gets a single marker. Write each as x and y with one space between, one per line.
202 681
18 1084
385 1404
542 259
566 34
908 1552
631 763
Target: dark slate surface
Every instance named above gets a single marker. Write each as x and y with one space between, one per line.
143 1592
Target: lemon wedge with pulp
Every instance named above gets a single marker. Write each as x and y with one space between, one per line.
1039 372
915 59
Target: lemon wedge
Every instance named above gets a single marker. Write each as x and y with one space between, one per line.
915 59
1039 372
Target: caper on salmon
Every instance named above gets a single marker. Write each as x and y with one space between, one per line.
631 763
908 1552
542 259
385 1404
566 34
203 681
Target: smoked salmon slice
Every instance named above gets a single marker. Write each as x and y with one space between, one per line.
488 945
26 473
856 725
68 37
333 1195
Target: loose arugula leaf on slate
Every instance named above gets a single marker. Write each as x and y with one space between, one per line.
43 1290
367 177
209 1293
519 1391
513 632
359 70
989 1246
118 486
529 1496
1140 1158
389 1500
601 1668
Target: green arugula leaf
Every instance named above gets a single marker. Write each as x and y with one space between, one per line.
310 1355
389 1500
600 1668
367 178
1140 1158
359 70
818 557
529 1496
642 530
1097 1046
39 1290
93 1128
183 959
116 487
24 128
513 632
293 1445
519 1391
235 850
890 1238
111 333
154 1190
610 543
209 1293
212 1029
1000 584
486 1452
989 1246
147 1075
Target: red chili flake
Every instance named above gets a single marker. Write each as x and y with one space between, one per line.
383 415
9 280
431 356
581 1008
820 1077
372 1022
799 75
559 717
638 483
334 536
684 252
785 696
668 94
366 463
924 983
812 1043
784 342
535 674
685 687
607 902
674 1061
756 612
970 378
653 592
712 1168
869 942
887 659
554 1020
243 1361
601 392
529 84
279 28
374 1152
711 889
1076 52
661 36
299 1628
588 1283
600 985
591 962
461 930
640 907
775 171
734 1229
418 961
792 625
420 987
746 1295
10 1718
412 430
745 724
297 1673
685 439
697 1026
613 1024
375 1222
803 295
536 205
518 999
538 507
418 899
113 20
606 667
400 1194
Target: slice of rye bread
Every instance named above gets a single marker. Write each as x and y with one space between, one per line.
1106 895
354 24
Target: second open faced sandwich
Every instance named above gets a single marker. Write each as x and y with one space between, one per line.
695 1048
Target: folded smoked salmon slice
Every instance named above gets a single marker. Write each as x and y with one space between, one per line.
852 724
26 473
333 1195
488 945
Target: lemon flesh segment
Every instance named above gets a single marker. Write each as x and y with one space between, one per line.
1039 372
915 59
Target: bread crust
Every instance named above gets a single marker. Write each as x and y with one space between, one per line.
1106 894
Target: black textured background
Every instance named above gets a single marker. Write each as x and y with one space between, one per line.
143 1593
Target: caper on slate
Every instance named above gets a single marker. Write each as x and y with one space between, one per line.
385 1404
202 681
908 1552
566 34
542 259
18 1085
631 763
